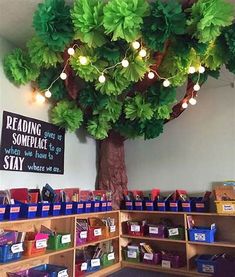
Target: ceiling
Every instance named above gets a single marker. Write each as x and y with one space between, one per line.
16 27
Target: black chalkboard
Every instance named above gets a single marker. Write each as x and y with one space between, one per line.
31 145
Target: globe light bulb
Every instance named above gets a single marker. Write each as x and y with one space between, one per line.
47 93
71 51
63 76
125 63
151 75
102 78
191 70
192 101
201 69
83 60
166 83
196 87
136 45
185 105
142 53
40 98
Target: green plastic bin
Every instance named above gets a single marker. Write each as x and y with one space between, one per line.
176 233
130 256
59 241
107 259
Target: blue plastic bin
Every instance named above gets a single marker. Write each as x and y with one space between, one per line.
12 212
27 210
103 206
6 252
2 212
109 206
78 207
51 270
93 268
187 206
138 205
174 206
162 205
95 206
205 264
55 209
201 206
129 205
149 205
87 207
43 209
202 234
66 208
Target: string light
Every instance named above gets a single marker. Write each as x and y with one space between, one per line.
83 60
63 76
102 78
48 93
40 98
151 75
185 105
201 69
142 53
191 70
125 63
71 51
192 101
136 45
196 87
166 83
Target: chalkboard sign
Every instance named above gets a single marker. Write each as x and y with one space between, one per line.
31 145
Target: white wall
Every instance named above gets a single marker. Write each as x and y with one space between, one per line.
195 150
80 157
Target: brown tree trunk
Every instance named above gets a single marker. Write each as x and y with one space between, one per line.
111 167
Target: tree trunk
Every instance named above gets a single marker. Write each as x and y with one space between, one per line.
111 167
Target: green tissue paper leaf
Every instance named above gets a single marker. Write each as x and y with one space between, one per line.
67 115
53 24
152 128
98 128
164 112
129 129
18 67
123 18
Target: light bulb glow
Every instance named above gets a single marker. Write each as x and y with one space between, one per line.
47 93
102 78
185 105
125 63
136 45
63 76
201 69
71 51
196 87
192 101
151 75
40 98
83 60
166 83
142 53
191 70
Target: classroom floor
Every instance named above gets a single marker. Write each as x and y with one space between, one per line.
131 272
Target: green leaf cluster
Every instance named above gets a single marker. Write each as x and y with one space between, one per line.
67 115
123 18
166 20
98 127
229 37
208 17
18 67
87 16
53 24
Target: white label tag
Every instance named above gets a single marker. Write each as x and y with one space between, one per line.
84 267
111 256
153 230
17 248
148 256
208 268
173 232
228 208
95 262
63 273
41 243
112 229
132 254
83 235
200 236
97 232
135 228
66 239
166 264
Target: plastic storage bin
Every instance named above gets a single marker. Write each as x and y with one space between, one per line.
10 252
129 205
87 207
206 264
109 206
225 207
27 273
201 206
172 260
80 269
176 233
93 265
95 206
153 259
187 206
202 234
174 206
138 205
12 212
157 231
51 270
59 241
225 266
2 211
149 205
162 205
78 207
136 229
66 208
43 209
27 210
107 259
55 209
103 206
33 247
131 256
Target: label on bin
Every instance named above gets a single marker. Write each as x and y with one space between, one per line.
173 232
69 206
66 239
88 205
135 228
56 207
95 262
208 268
80 206
14 209
84 267
132 254
33 209
63 273
153 230
111 256
200 205
112 229
166 264
46 208
104 204
2 210
97 205
148 256
97 232
17 248
41 243
200 236
228 208
83 235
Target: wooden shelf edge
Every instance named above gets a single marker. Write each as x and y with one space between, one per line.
154 239
96 242
214 244
107 270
